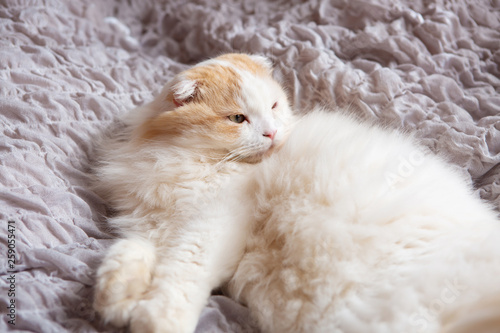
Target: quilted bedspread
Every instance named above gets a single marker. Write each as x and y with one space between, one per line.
69 69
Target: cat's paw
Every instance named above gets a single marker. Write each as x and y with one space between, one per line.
122 279
155 316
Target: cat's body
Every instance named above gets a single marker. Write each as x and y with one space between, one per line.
346 228
358 229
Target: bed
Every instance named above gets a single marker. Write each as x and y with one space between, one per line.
69 69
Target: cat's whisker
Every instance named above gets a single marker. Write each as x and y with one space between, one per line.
238 154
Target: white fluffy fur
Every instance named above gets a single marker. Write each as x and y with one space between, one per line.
357 229
347 228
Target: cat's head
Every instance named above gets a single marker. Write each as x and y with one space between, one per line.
229 105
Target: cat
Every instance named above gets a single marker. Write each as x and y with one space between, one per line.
174 175
320 224
357 228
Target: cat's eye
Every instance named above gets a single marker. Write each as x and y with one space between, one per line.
237 118
274 105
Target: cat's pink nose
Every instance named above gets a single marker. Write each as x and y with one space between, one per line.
270 134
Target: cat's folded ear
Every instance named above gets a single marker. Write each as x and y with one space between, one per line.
183 91
262 61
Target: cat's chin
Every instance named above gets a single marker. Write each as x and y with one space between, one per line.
253 159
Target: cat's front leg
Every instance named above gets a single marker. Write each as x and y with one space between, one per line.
193 260
122 279
178 293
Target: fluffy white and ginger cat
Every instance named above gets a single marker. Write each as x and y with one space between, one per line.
174 177
347 227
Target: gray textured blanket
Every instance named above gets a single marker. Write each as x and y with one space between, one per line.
69 69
